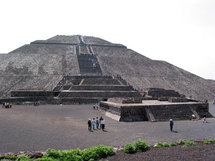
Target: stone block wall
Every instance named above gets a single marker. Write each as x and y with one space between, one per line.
102 87
103 94
32 93
133 113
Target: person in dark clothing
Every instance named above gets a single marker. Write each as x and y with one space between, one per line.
171 123
89 125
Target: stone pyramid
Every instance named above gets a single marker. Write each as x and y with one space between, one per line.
42 64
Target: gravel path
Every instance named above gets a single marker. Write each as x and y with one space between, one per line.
29 128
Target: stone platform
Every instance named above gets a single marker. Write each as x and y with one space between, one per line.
78 89
154 110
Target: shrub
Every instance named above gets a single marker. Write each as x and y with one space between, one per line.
94 153
22 158
189 143
166 144
141 146
209 141
172 144
10 157
46 158
186 143
128 148
97 152
53 153
159 145
181 142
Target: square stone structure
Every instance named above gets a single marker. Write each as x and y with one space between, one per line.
154 110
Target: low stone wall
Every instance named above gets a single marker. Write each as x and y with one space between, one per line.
177 99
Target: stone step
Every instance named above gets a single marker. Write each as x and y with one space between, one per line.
101 81
105 94
100 87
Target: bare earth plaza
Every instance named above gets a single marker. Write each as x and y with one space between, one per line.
55 86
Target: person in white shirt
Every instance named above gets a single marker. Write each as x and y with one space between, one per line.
103 124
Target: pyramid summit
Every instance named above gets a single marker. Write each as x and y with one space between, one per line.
43 64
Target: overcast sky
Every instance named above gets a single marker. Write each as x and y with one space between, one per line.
181 32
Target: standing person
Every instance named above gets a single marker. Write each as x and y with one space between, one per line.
100 119
204 119
89 125
171 123
97 122
93 123
97 106
103 124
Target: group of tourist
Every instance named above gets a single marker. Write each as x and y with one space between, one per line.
6 105
96 124
96 106
94 61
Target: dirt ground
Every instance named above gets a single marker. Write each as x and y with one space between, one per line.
37 128
200 152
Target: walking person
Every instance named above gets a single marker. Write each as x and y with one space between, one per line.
89 125
204 119
93 123
171 123
97 123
